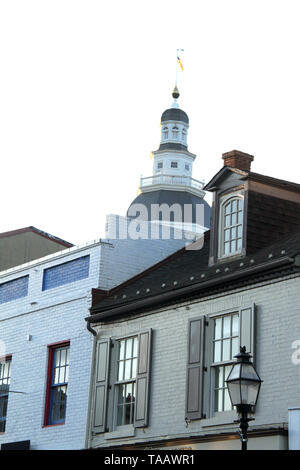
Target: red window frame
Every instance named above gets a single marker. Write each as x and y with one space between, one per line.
51 348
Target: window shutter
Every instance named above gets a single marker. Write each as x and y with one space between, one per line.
247 329
195 369
143 380
101 385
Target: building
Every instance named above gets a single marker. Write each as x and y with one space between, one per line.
45 349
26 244
166 339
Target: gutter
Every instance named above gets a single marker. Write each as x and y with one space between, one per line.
134 306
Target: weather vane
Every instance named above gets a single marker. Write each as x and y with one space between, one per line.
178 61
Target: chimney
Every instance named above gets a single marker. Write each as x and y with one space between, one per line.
236 159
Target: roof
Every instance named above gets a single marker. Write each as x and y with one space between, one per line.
186 275
251 176
38 232
169 197
174 114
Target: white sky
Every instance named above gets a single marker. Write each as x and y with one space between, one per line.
83 85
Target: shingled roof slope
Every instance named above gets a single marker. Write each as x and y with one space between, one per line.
189 268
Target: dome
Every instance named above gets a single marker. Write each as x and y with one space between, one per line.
172 197
174 114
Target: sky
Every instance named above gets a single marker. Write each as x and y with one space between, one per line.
83 85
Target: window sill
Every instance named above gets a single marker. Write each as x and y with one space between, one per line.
221 418
52 425
123 431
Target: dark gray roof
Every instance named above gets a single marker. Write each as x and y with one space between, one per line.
173 197
174 114
186 275
172 146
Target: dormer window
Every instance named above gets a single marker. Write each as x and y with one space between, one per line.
165 133
175 132
231 226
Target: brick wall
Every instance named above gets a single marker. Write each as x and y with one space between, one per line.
277 327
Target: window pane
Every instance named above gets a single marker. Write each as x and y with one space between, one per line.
240 231
219 377
217 352
227 248
227 209
227 221
227 235
135 347
233 219
129 348
122 349
134 362
127 374
240 204
121 367
234 205
235 325
227 402
57 358
232 246
226 350
240 217
218 328
219 400
226 326
235 347
63 357
239 244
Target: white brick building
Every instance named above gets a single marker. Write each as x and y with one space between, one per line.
42 308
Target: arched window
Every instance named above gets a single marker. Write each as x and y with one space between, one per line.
232 226
165 133
175 132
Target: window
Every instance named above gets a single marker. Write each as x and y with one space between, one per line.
122 379
14 289
175 132
184 134
5 364
174 164
57 385
231 236
126 384
187 167
225 347
159 165
65 273
213 341
165 133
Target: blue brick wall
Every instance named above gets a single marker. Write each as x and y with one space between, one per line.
13 290
66 273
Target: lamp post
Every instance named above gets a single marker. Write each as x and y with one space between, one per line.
243 383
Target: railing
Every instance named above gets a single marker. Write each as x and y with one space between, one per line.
171 180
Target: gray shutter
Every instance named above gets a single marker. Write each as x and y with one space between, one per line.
195 369
143 380
247 329
101 385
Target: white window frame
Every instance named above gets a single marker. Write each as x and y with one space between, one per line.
223 203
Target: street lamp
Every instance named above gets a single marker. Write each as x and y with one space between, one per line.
243 383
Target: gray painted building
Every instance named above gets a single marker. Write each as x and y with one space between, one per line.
165 341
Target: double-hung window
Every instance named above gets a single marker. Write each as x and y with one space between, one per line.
5 367
122 380
225 347
57 386
231 227
213 341
125 387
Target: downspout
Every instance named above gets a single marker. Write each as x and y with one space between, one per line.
90 394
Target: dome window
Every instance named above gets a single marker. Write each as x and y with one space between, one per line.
184 134
175 132
174 164
187 167
159 165
165 133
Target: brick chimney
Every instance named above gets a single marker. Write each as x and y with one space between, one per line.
237 159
